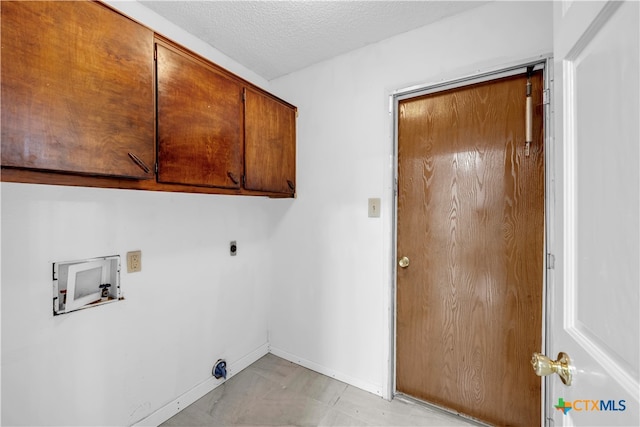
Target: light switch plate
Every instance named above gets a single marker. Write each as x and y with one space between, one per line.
374 207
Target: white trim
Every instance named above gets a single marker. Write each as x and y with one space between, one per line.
506 70
390 390
619 374
364 385
570 194
549 232
186 399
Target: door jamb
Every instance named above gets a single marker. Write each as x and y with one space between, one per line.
544 63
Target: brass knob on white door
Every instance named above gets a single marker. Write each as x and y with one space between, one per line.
542 365
404 262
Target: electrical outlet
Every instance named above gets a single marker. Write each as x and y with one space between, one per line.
134 261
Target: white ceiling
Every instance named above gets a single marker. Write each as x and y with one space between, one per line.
274 38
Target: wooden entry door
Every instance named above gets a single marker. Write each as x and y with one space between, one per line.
471 224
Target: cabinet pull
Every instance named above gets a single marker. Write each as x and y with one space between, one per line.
233 178
292 186
140 163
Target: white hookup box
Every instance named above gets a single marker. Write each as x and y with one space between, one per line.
85 283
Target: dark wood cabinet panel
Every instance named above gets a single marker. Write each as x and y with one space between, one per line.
86 102
270 144
77 90
199 122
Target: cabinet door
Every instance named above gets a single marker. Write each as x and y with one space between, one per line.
270 144
199 122
77 89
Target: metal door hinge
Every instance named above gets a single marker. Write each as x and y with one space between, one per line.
155 52
244 95
546 97
156 168
551 262
244 180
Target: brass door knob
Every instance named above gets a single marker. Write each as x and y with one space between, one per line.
404 262
542 365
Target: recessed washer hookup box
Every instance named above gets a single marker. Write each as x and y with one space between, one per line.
85 283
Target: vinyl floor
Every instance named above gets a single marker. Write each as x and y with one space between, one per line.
276 392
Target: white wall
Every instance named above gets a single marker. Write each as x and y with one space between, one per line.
191 304
161 25
331 300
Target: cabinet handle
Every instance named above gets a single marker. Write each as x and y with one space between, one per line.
140 163
233 178
292 186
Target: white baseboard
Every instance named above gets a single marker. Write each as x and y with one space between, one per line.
186 399
364 385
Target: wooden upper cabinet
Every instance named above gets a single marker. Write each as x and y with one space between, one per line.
90 97
270 144
199 122
77 90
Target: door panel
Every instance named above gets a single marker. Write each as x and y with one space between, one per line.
77 90
199 122
595 310
471 222
270 144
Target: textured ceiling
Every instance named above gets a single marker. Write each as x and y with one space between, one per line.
274 38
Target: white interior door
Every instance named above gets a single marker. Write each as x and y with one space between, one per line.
594 287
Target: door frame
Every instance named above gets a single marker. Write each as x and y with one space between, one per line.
544 63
